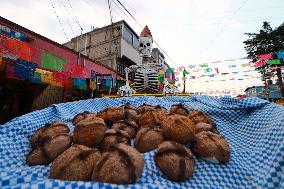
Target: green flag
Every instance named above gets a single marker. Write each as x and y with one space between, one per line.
274 62
171 70
185 73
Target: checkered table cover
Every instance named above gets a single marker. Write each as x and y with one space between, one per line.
253 127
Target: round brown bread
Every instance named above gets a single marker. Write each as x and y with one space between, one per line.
114 136
148 139
89 133
121 164
152 119
75 164
48 149
179 109
128 105
130 127
211 147
175 161
199 127
178 128
146 108
82 116
198 116
111 115
54 128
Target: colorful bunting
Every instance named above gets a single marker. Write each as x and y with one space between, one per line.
80 83
208 70
260 63
203 65
170 70
265 57
274 62
280 54
185 73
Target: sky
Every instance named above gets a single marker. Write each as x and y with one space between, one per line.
189 31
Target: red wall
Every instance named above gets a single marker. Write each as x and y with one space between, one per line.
40 44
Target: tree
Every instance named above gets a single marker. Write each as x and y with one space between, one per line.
268 40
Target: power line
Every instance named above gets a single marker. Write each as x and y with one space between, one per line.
59 20
119 9
75 17
222 29
142 28
60 3
129 13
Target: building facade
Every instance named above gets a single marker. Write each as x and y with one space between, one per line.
25 55
114 46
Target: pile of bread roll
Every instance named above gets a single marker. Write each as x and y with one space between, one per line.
99 149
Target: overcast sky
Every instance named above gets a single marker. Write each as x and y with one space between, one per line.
190 31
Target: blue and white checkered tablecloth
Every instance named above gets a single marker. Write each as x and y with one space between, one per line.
253 127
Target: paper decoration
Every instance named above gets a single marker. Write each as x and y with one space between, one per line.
184 73
217 70
245 65
93 84
168 75
161 72
232 66
280 54
181 68
36 78
80 83
203 65
207 70
16 49
176 73
260 63
47 77
108 83
193 77
274 62
170 70
265 57
24 70
12 33
10 72
52 62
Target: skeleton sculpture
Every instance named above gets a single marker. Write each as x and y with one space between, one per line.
146 79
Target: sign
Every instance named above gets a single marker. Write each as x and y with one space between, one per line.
52 62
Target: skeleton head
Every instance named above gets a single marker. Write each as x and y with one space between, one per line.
145 43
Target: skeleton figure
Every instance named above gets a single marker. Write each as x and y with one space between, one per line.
146 78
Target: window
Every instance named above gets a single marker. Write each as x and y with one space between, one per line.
135 42
128 36
120 68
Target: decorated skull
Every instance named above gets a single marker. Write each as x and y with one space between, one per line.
145 43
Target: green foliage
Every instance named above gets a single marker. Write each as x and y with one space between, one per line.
268 40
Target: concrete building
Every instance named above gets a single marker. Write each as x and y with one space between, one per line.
114 46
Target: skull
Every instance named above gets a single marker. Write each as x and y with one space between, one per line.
145 46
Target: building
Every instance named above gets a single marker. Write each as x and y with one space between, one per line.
30 66
114 46
258 91
159 58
